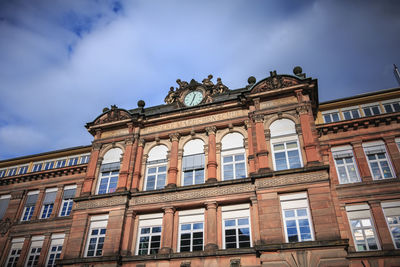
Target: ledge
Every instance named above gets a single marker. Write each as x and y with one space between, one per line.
371 254
365 183
194 254
101 196
87 260
303 245
43 174
289 171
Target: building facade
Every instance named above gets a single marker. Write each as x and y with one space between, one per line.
264 175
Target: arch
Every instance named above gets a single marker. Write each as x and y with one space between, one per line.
150 145
192 147
271 119
112 155
221 134
185 139
158 152
232 140
282 127
108 147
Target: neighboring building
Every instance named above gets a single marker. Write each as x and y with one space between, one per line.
264 175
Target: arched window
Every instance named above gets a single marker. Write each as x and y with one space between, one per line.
233 157
109 171
193 162
156 172
285 145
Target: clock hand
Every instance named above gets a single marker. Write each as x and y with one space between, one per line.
192 99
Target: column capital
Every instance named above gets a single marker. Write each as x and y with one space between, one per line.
303 109
97 146
258 118
141 142
356 143
253 200
174 137
168 209
211 204
247 124
129 140
211 130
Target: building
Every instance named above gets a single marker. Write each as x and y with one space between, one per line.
264 175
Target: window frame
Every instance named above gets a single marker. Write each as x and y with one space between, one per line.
16 244
23 169
350 111
109 176
391 103
284 141
72 161
330 113
236 212
30 209
36 243
233 152
57 240
6 199
370 106
156 165
48 165
194 171
35 169
69 202
47 208
342 150
149 221
96 223
190 217
84 159
378 145
12 171
392 209
3 173
362 212
296 201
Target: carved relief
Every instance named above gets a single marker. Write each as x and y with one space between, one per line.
5 226
113 114
275 81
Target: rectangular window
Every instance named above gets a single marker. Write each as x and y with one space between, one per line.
48 203
350 114
55 249
96 236
23 170
331 117
12 171
67 202
30 205
149 237
15 252
61 163
34 251
234 164
4 200
236 226
191 225
378 161
345 164
49 165
362 227
372 110
296 217
193 169
37 167
156 176
73 161
2 173
84 159
392 106
392 214
108 182
286 155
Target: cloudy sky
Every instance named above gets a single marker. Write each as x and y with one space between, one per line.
61 62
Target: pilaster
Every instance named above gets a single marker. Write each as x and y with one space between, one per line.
173 162
212 155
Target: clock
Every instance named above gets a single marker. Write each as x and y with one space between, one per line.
193 98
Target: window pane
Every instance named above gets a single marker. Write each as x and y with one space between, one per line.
335 116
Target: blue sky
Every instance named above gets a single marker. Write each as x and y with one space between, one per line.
61 62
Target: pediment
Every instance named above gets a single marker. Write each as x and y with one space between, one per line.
274 82
112 115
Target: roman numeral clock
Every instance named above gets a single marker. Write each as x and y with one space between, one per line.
194 93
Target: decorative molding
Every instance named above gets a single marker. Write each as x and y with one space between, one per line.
113 114
174 137
5 225
107 201
211 130
289 179
275 81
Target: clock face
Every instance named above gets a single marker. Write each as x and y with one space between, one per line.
193 98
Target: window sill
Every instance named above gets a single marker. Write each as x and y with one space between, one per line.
363 183
375 253
302 245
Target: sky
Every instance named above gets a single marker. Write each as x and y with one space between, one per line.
62 62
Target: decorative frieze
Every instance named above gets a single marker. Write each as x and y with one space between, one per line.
101 202
289 179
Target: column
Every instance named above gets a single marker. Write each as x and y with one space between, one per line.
361 160
125 166
138 165
310 145
38 205
394 153
127 234
91 170
262 153
211 226
385 239
255 220
45 249
173 160
24 251
57 201
212 155
167 230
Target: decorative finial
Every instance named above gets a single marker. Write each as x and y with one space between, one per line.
141 104
298 71
251 80
105 109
